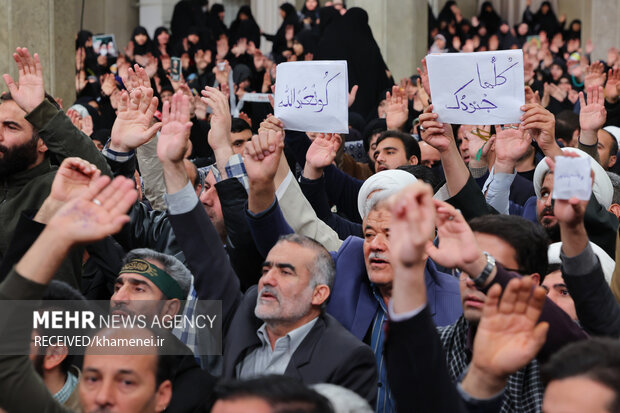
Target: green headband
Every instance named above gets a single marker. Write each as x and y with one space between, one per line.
157 276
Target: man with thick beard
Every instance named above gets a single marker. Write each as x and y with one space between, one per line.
31 126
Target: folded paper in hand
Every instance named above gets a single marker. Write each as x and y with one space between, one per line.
483 88
572 178
313 96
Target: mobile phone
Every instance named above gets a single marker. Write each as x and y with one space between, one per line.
175 68
221 66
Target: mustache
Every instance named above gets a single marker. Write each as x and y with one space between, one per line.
270 290
378 256
3 149
548 210
121 307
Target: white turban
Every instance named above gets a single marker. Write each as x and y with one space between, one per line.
607 262
388 182
613 131
602 188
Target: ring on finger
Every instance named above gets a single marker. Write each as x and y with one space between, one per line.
96 202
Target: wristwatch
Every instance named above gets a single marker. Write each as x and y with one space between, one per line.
484 275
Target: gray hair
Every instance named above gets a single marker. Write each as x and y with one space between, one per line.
615 182
323 270
171 265
342 399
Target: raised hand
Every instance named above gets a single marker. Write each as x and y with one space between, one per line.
437 134
136 78
87 125
29 91
261 156
612 87
134 120
458 247
508 336
531 96
424 76
219 135
592 115
73 178
595 75
352 94
539 123
176 126
98 212
75 118
397 110
413 224
271 123
108 86
321 154
511 144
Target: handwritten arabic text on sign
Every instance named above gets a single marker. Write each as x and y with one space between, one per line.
572 178
313 96
484 88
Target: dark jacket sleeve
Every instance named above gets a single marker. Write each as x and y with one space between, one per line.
26 233
244 256
314 191
601 226
267 227
214 277
149 229
21 388
64 139
341 188
562 329
471 202
416 367
596 306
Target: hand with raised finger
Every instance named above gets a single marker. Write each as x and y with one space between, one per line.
437 134
509 335
134 124
100 211
261 156
29 91
174 137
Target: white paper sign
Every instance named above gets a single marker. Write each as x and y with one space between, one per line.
313 96
572 178
483 88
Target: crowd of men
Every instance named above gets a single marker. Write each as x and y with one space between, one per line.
408 266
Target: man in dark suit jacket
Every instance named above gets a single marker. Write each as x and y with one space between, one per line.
280 326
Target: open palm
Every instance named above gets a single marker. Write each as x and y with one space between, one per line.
174 137
133 125
323 150
593 114
511 144
508 336
29 92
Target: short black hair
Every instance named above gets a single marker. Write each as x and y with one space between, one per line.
412 148
597 359
373 127
283 394
424 173
566 123
529 240
239 125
